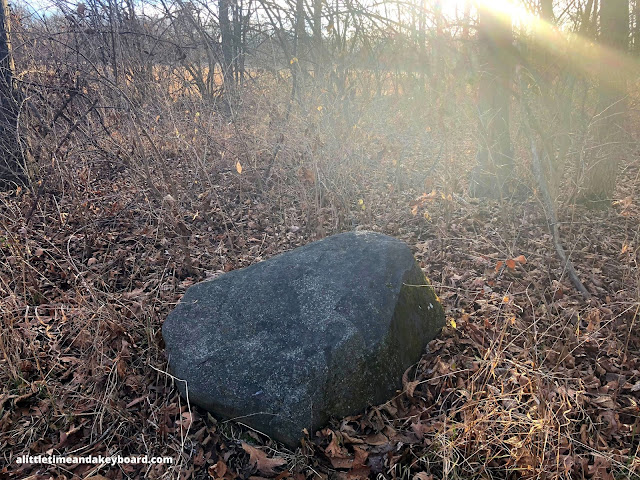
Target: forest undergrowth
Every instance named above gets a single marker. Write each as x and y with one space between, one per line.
527 379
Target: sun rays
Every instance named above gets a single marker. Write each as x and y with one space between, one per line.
563 45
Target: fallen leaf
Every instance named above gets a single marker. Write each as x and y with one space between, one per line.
169 199
283 474
342 463
259 459
408 386
218 470
376 439
604 401
359 469
185 421
334 449
422 476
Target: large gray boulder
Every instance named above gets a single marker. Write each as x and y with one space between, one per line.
323 330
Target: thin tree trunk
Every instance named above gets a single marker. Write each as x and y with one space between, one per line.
317 38
635 35
494 157
11 159
227 45
546 10
602 168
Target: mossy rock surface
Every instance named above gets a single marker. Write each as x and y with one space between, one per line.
323 330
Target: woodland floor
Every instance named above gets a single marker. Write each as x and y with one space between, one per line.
526 381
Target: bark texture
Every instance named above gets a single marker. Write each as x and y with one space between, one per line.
495 155
601 168
11 159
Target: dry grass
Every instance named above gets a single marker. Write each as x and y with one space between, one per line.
526 382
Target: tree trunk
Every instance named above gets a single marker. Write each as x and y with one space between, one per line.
226 40
437 54
495 156
237 41
635 34
466 20
602 168
12 171
317 38
298 35
546 10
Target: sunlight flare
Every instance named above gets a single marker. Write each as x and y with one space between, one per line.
565 47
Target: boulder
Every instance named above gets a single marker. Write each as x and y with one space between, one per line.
317 332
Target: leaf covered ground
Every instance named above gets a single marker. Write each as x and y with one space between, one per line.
526 381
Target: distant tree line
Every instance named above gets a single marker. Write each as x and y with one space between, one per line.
104 55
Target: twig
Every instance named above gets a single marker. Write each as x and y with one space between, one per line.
553 222
547 203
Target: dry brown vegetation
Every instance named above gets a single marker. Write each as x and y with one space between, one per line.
135 202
